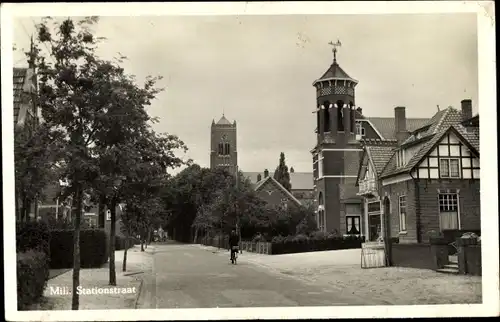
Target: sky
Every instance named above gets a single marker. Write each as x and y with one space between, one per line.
259 71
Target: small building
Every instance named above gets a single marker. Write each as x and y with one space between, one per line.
426 181
302 184
270 190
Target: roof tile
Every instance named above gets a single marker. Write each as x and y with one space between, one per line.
298 180
387 127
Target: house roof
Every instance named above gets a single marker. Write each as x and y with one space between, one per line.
18 80
467 138
440 120
335 71
430 134
261 183
379 156
298 180
387 126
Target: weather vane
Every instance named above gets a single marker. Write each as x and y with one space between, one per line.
334 50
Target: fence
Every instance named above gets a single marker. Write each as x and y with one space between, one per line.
257 247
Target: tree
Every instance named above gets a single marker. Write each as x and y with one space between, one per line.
281 174
82 99
35 154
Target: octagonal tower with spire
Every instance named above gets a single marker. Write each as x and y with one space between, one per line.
223 144
337 152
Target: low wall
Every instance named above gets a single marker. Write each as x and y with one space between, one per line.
424 256
469 259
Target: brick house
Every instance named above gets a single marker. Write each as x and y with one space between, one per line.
270 190
301 182
338 150
426 181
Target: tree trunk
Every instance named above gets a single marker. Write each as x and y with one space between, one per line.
124 268
23 210
76 250
195 235
28 210
101 211
112 270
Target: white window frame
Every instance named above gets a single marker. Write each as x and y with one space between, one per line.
449 176
353 217
449 194
403 219
360 130
320 166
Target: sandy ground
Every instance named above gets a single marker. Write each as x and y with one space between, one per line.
129 284
341 270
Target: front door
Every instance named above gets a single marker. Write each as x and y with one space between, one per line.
374 224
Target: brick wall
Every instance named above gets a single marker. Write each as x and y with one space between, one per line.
412 255
394 191
332 203
469 204
275 197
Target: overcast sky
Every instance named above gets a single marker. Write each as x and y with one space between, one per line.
260 69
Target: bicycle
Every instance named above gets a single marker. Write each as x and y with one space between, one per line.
234 254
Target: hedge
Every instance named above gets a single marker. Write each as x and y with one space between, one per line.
121 242
32 276
93 248
33 235
301 244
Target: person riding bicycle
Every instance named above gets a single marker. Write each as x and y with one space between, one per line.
234 241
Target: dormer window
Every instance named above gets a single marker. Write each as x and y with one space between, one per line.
400 158
360 130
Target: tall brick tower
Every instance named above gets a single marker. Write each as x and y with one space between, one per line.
337 153
223 145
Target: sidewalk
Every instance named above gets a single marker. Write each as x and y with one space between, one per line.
341 271
57 295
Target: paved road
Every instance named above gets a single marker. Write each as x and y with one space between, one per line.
187 276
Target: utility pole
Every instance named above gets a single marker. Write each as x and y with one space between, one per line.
33 93
237 206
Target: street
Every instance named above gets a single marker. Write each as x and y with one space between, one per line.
187 276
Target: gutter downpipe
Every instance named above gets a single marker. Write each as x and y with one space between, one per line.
417 207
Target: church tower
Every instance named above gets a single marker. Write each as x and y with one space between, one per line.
337 152
223 145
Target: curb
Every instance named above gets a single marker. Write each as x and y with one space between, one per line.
138 293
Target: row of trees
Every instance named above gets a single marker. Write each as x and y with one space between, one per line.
96 135
204 201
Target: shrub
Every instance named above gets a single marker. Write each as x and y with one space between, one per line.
32 276
258 238
277 239
318 242
33 235
301 238
93 248
318 235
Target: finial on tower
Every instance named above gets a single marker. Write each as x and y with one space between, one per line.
334 50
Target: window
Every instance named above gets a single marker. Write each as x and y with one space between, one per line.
374 207
353 225
226 148
449 168
448 211
221 149
284 203
108 215
326 125
402 213
360 130
320 167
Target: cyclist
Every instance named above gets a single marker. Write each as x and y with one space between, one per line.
233 244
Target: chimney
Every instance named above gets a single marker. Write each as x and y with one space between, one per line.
266 173
292 170
259 177
400 124
360 110
466 109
